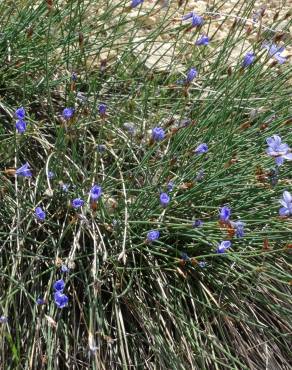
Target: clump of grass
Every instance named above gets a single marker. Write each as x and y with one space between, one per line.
173 303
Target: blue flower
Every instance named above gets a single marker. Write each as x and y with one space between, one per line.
40 214
61 299
78 202
74 76
239 227
158 133
248 59
20 126
202 264
200 175
275 51
278 150
164 199
130 127
64 269
135 3
3 319
59 285
153 235
68 113
286 202
51 175
95 192
170 186
65 187
196 19
102 109
202 148
192 73
101 148
258 14
20 113
203 40
224 214
223 246
184 122
197 223
184 256
24 171
187 16
40 301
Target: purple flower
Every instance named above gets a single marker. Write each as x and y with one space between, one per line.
170 186
81 98
158 133
40 214
202 264
164 199
223 246
153 235
203 40
130 127
20 113
51 175
20 126
202 148
197 223
68 113
184 256
224 214
200 175
278 150
187 16
95 192
24 171
64 268
78 202
192 73
3 319
40 301
135 3
59 285
184 122
275 52
286 202
248 59
239 227
258 14
61 299
65 187
196 19
102 109
101 148
74 76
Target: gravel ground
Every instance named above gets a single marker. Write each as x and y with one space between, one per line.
168 51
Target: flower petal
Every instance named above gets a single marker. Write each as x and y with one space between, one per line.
270 140
277 139
288 156
284 211
279 161
283 147
279 58
287 197
226 244
283 203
